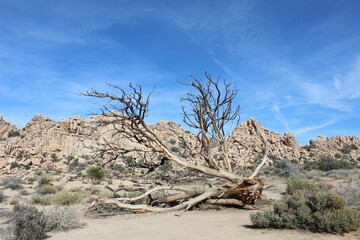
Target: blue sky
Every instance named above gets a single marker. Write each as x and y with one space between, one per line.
296 63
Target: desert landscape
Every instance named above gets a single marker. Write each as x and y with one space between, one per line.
46 158
179 120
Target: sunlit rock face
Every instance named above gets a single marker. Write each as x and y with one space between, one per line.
47 143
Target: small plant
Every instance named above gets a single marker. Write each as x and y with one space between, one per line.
14 165
60 218
48 189
172 141
45 179
24 192
95 173
348 148
309 207
14 200
54 157
12 183
175 149
205 206
13 133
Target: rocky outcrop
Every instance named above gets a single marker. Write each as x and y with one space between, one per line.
6 128
247 144
46 143
337 147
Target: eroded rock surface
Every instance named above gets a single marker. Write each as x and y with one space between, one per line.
49 144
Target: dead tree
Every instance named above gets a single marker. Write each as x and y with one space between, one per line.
210 110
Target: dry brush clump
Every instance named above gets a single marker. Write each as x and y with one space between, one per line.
13 183
28 223
351 191
62 197
310 206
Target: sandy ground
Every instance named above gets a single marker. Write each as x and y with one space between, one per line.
193 225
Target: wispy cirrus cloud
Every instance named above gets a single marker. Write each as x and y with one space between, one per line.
337 93
306 129
280 117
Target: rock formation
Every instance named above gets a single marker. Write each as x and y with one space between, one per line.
49 144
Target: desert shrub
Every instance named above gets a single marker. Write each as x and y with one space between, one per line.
14 165
64 197
309 207
45 200
95 173
69 197
348 174
299 183
54 157
28 223
13 133
45 179
48 189
61 218
12 183
327 163
351 191
14 200
175 149
6 233
24 192
207 206
348 148
286 168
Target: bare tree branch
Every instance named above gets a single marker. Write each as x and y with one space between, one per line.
210 110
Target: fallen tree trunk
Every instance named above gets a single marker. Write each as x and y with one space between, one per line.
240 194
210 110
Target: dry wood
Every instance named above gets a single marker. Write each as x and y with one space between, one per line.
211 108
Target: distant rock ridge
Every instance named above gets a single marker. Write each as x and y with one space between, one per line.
47 143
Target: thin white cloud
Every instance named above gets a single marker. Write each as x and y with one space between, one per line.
280 117
315 127
335 94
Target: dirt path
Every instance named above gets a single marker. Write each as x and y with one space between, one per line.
194 225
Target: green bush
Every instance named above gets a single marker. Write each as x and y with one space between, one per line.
327 163
299 183
45 179
310 207
95 173
13 133
63 197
